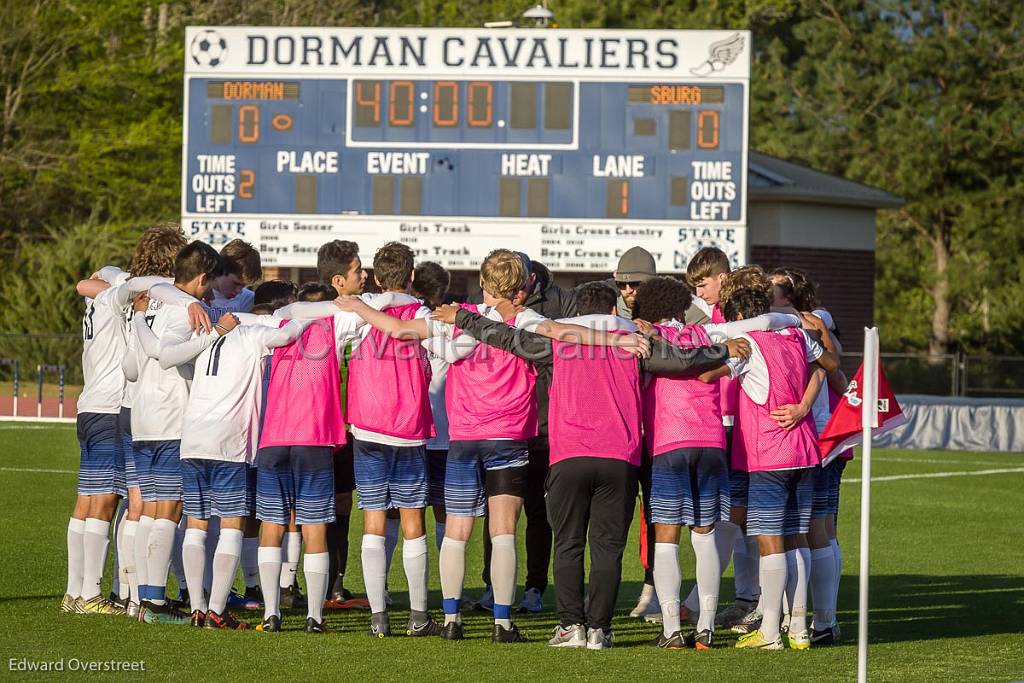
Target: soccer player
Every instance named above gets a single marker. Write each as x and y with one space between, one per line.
708 272
431 284
793 290
594 473
780 462
101 435
339 265
389 410
232 292
216 450
165 343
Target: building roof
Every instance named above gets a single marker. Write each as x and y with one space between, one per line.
772 179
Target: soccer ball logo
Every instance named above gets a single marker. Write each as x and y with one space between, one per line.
208 48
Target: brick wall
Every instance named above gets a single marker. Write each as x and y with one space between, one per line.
845 279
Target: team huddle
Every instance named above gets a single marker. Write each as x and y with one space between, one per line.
225 425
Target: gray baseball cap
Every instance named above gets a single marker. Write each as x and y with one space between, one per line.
636 265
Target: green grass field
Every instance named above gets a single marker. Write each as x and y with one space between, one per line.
947 595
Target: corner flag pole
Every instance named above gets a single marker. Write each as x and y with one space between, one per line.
869 419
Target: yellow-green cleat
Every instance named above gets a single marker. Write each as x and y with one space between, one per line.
100 605
756 641
796 641
71 605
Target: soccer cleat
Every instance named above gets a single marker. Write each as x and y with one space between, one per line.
271 624
100 605
796 641
704 640
227 621
755 641
825 637
672 642
735 612
486 601
252 599
380 625
532 602
500 634
425 626
314 626
688 616
647 595
70 605
570 636
198 618
182 600
452 631
116 599
132 610
292 598
150 613
341 595
598 639
750 622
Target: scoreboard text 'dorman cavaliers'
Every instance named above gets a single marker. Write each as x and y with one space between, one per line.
570 145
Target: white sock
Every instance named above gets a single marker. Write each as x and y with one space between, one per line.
251 561
270 580
291 549
119 582
837 553
212 539
193 561
452 567
709 575
414 559
773 585
798 561
667 581
128 530
177 564
743 580
94 555
438 534
503 577
316 567
142 553
754 567
161 542
76 556
823 576
374 571
390 543
225 564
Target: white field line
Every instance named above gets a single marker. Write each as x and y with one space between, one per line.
935 461
937 475
36 471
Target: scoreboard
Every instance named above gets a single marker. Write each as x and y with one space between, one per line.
570 145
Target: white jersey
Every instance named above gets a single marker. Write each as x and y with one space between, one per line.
103 347
104 344
223 412
754 371
161 394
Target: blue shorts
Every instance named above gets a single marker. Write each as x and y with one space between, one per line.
214 488
826 489
739 483
124 426
437 462
466 481
689 486
780 502
98 469
838 466
158 466
390 476
299 478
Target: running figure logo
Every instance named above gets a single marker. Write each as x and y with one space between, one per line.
720 55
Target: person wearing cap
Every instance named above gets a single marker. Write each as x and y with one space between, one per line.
636 265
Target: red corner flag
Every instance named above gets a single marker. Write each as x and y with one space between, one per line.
845 429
